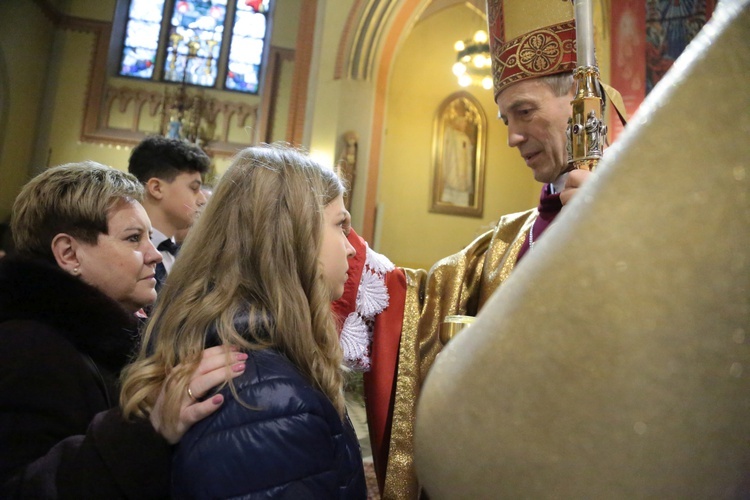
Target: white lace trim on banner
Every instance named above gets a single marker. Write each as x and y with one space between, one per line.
372 299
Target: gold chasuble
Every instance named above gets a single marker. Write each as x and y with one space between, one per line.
405 335
459 284
632 380
528 39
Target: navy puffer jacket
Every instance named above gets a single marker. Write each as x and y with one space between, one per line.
292 444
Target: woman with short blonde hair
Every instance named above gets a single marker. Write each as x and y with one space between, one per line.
75 198
84 267
259 271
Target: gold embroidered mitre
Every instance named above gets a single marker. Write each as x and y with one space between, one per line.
530 38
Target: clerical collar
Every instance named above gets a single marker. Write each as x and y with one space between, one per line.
559 184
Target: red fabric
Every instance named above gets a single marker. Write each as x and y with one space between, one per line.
628 74
380 381
346 304
544 51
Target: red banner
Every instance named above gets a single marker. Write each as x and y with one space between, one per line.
628 62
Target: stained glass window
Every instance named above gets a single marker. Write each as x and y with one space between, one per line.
141 38
192 49
246 51
195 41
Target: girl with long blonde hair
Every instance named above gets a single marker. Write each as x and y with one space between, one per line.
258 272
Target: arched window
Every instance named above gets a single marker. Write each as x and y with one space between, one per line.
209 43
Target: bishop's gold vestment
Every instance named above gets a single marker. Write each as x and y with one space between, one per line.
459 284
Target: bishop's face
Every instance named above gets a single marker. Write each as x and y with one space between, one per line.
537 121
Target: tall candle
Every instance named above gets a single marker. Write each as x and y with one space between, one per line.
585 33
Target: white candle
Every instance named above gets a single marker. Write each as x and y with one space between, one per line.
585 33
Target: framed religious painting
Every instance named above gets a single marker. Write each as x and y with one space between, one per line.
458 155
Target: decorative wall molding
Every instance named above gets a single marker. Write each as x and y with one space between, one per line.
221 119
365 28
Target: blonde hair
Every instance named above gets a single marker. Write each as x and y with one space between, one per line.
74 198
254 251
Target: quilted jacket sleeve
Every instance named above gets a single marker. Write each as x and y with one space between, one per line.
284 440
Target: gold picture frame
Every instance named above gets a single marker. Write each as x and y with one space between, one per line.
458 147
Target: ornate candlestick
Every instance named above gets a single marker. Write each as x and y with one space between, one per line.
210 44
174 39
587 131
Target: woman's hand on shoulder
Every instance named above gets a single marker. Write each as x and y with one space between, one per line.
211 372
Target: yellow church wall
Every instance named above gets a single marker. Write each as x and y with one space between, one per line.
285 23
355 108
324 104
337 106
421 78
24 57
101 10
75 53
70 100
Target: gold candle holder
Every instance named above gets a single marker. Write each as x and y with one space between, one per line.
194 45
175 39
452 325
210 44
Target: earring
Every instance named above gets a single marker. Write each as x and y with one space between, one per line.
76 270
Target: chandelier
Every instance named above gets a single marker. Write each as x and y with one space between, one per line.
473 61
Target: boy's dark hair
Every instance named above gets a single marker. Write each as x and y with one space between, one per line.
166 158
